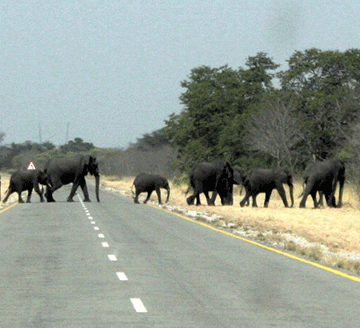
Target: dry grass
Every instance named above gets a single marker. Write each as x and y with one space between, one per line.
338 229
4 184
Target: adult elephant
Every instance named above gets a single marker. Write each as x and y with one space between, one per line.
265 181
323 177
217 177
26 180
306 174
148 183
64 170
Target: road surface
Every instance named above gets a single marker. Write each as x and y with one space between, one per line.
117 264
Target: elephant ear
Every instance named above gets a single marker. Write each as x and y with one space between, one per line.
93 166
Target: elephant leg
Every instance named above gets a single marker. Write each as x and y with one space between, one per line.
48 194
245 200
340 197
267 198
158 194
281 191
72 193
254 203
213 197
136 199
39 192
28 200
9 192
148 196
313 195
50 190
321 198
341 190
198 202
307 192
190 200
19 197
208 199
83 186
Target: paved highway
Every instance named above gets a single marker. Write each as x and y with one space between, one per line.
117 264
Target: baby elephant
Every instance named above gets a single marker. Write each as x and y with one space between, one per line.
26 180
148 183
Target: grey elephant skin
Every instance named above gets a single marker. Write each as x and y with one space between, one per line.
323 177
23 180
265 181
217 176
148 183
64 170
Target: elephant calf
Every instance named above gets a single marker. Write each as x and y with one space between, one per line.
26 180
264 181
148 183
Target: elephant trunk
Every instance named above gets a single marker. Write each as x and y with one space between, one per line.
168 194
291 188
97 187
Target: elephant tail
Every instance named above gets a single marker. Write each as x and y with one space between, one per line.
303 191
241 189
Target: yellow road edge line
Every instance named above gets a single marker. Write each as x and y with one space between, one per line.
8 207
294 257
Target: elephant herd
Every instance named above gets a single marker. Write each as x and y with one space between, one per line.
58 171
320 179
219 177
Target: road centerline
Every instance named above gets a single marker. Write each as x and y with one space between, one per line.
138 305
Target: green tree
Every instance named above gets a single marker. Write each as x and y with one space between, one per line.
77 145
211 95
217 102
151 140
328 84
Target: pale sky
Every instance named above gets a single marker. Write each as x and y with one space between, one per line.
109 71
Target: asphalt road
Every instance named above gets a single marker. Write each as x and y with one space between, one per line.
117 264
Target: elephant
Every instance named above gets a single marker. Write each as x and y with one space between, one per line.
148 183
64 170
322 177
239 175
23 180
217 176
265 180
306 174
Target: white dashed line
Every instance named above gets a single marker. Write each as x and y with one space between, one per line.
136 302
121 276
138 305
112 257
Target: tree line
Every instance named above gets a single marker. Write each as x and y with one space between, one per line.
151 153
253 116
258 116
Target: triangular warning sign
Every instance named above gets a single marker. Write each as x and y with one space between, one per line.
31 166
